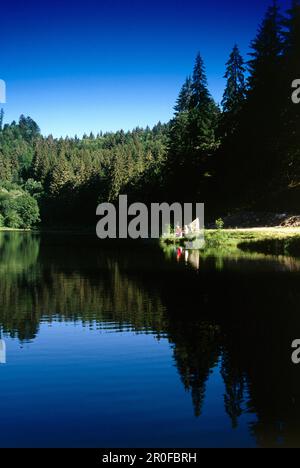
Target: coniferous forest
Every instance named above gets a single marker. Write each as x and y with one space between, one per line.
240 154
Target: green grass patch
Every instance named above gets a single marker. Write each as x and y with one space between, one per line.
269 241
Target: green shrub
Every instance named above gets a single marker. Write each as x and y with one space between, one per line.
27 209
18 208
13 220
220 224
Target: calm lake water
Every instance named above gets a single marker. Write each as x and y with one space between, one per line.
109 346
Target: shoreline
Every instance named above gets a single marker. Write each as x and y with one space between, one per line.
4 229
268 240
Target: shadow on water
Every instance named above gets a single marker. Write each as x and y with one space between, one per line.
239 313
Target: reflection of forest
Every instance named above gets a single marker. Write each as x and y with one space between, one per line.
243 320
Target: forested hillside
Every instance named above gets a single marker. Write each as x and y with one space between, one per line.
243 153
69 177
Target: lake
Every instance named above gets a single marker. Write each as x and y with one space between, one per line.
108 345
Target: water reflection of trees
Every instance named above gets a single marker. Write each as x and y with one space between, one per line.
196 352
56 283
243 320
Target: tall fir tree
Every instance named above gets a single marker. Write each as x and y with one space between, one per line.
292 37
194 124
266 54
234 94
192 133
201 95
203 115
183 103
291 113
262 119
178 130
235 90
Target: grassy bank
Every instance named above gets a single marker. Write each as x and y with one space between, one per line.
274 241
5 229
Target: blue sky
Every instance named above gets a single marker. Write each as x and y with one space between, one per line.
77 67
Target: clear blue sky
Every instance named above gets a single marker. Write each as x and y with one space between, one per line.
90 65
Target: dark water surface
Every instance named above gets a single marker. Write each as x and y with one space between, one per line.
110 346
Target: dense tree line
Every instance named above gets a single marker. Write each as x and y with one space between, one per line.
241 153
68 177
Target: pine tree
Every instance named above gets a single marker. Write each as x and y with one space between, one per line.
265 97
266 52
200 94
193 128
29 128
235 90
183 102
292 37
291 112
203 115
192 133
234 96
